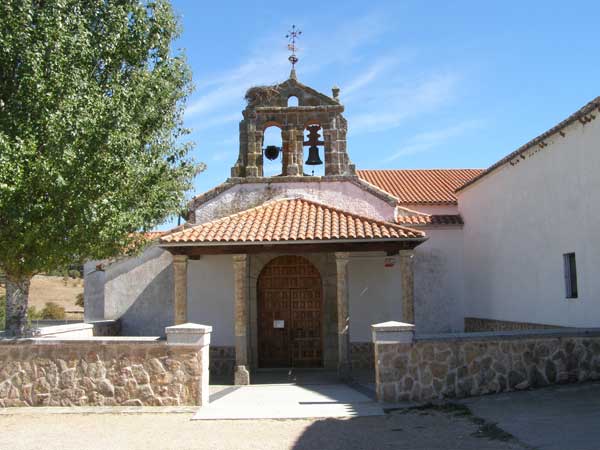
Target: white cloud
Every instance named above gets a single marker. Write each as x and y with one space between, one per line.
365 78
423 142
388 107
215 121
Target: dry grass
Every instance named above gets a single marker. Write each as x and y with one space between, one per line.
62 291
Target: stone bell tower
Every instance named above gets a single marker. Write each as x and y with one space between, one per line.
268 106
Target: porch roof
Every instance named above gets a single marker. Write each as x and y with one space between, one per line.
295 222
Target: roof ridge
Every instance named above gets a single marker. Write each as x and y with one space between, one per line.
290 199
357 216
586 109
220 219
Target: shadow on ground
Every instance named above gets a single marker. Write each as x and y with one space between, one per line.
429 427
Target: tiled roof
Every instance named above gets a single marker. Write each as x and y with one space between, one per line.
434 219
420 186
151 235
291 220
583 114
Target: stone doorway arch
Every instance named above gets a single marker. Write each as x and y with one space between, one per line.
289 313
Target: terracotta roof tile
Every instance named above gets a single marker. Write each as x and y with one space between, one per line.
420 186
151 235
434 219
291 220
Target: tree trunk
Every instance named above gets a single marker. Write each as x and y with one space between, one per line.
17 297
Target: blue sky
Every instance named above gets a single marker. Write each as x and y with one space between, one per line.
425 84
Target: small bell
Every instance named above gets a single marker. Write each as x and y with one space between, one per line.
313 156
272 152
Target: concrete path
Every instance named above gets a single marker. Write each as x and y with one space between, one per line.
556 418
288 401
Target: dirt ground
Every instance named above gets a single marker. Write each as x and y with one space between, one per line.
401 430
62 291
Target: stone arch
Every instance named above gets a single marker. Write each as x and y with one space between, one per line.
293 101
276 138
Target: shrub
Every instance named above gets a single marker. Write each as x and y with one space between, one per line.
79 301
74 273
33 314
53 311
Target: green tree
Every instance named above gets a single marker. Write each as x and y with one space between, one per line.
92 146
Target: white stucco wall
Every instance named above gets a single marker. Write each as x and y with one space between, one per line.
136 290
340 194
211 296
439 282
375 294
434 209
520 220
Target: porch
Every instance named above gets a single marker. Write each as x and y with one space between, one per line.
291 300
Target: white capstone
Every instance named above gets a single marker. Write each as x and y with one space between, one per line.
188 334
393 332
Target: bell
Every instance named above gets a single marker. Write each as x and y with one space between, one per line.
272 152
313 156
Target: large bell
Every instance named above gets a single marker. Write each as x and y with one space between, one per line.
313 156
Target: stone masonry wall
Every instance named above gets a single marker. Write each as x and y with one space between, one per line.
435 368
361 355
474 324
100 373
222 361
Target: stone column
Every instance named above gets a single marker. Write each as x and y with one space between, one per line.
180 288
240 272
408 285
343 316
292 151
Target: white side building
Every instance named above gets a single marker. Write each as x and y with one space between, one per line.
526 218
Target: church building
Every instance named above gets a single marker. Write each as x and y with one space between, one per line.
291 270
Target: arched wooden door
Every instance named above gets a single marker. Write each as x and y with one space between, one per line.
289 314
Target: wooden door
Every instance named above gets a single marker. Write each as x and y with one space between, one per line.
289 314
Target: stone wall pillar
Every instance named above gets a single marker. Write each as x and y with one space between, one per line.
292 151
194 335
239 169
389 338
241 313
408 285
343 315
180 288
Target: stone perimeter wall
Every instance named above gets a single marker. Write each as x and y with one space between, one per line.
222 361
362 355
438 368
100 373
475 324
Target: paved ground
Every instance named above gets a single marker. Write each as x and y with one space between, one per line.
289 401
565 418
292 394
414 430
555 418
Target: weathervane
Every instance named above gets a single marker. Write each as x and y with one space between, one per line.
292 36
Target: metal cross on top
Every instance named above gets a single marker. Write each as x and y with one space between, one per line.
292 35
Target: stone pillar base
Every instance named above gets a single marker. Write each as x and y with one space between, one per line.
241 376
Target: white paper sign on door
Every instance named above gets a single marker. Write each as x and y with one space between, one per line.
278 323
